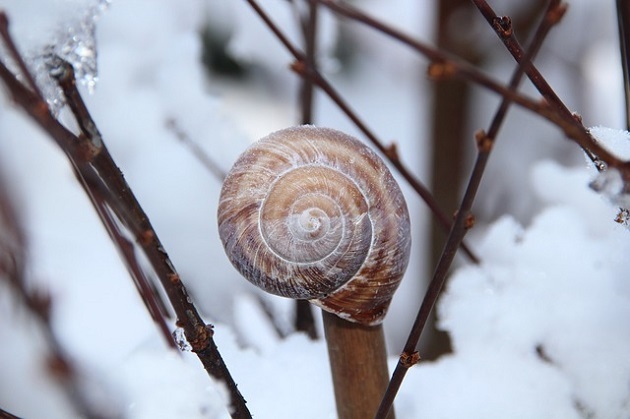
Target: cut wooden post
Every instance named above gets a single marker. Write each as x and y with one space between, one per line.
358 361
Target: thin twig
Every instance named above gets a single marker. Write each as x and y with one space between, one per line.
196 150
99 171
390 152
502 25
464 219
310 48
15 54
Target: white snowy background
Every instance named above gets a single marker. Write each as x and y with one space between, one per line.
555 268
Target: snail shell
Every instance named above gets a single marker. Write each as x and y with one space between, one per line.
312 213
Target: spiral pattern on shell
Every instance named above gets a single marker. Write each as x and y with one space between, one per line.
312 213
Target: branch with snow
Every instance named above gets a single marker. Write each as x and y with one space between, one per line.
105 186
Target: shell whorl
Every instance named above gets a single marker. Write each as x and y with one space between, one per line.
312 213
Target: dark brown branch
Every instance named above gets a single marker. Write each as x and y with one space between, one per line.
623 21
502 25
63 73
464 219
6 415
310 47
98 170
15 54
499 25
94 189
390 152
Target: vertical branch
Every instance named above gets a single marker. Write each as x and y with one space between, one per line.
357 354
623 20
450 110
310 43
304 320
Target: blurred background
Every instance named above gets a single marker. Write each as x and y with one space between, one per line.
211 72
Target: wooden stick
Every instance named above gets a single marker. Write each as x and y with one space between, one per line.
358 360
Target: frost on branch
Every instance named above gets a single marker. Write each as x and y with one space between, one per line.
47 32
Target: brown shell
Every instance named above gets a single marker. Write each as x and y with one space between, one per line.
312 213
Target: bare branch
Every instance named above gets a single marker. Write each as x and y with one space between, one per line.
304 320
196 150
623 21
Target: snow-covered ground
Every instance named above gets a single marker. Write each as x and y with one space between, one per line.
540 328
